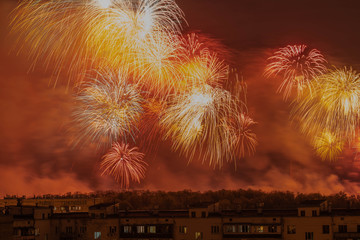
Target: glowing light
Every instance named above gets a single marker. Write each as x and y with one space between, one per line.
298 66
109 108
193 122
125 164
327 146
243 139
333 104
104 3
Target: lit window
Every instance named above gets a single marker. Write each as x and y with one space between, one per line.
97 235
259 229
127 229
140 229
183 229
198 236
151 229
230 228
291 229
272 228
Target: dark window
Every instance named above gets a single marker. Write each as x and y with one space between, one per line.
68 229
56 230
358 228
302 213
272 228
313 213
203 214
43 216
83 229
112 229
193 214
326 229
291 229
274 219
102 215
342 228
93 215
215 229
244 228
309 236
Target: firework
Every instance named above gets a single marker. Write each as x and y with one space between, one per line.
80 35
158 61
52 32
327 146
109 108
243 139
334 104
193 122
298 66
199 64
124 164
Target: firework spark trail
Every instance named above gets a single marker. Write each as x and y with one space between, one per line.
333 104
85 33
328 146
193 122
199 64
298 66
109 108
124 164
158 65
48 28
143 39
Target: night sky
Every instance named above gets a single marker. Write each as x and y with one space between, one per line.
36 155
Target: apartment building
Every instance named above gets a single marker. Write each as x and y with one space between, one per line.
312 220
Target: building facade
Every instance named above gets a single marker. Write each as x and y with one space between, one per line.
313 220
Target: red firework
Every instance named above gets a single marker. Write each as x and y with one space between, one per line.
124 164
298 65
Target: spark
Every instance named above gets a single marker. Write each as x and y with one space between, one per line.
327 146
298 66
124 164
109 108
334 104
193 123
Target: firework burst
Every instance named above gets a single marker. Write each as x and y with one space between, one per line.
193 122
78 35
109 108
243 139
334 104
125 164
327 146
298 66
199 64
